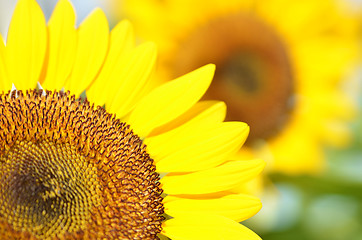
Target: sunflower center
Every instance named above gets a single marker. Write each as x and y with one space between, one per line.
253 75
47 189
72 171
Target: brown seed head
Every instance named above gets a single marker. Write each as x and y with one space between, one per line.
69 170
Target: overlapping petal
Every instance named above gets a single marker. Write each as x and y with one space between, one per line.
137 66
121 42
201 115
198 149
221 178
152 111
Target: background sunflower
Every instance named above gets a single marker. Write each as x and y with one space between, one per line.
306 53
276 68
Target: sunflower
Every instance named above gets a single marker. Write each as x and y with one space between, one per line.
280 66
128 161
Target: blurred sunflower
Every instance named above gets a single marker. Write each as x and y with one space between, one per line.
280 66
71 170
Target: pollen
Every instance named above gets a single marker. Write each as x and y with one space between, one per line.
70 170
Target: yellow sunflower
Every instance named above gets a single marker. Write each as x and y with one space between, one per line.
279 68
129 161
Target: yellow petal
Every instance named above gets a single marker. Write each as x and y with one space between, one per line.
26 44
198 149
62 46
91 51
238 207
133 76
204 226
120 44
216 179
170 100
5 84
202 114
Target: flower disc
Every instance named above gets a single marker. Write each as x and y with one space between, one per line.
254 76
72 171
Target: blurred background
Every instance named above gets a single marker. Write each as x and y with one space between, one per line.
292 70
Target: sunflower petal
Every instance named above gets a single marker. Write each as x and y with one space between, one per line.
4 80
170 100
62 45
91 51
216 179
195 149
203 226
137 67
26 44
121 42
238 207
202 114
